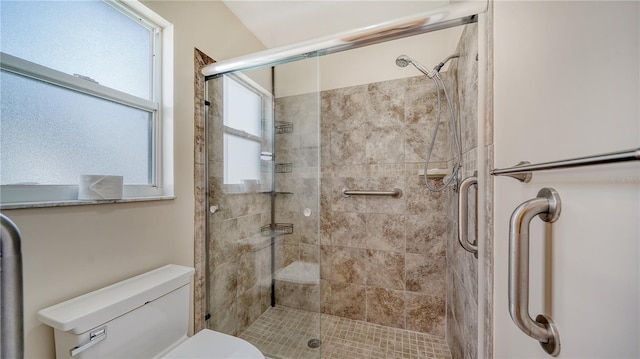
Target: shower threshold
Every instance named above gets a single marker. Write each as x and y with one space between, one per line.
284 333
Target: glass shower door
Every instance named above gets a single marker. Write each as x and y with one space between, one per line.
263 239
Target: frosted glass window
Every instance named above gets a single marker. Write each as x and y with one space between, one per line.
243 113
243 108
50 135
88 38
246 159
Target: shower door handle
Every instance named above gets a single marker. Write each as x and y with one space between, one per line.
547 206
463 209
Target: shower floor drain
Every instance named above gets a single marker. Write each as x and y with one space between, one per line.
314 343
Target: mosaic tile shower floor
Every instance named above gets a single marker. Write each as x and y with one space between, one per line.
283 333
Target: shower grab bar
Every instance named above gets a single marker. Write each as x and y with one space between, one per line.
395 193
11 287
523 170
463 209
547 206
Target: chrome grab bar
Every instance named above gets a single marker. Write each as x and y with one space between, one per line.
463 209
395 193
522 171
547 206
11 287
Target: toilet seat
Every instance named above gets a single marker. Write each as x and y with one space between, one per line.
210 344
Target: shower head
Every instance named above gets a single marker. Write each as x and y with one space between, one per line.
404 60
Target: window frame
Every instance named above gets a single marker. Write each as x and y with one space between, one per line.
161 32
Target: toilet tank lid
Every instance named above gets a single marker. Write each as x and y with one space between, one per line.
98 307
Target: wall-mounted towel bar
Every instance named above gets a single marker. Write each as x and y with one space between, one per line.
395 193
522 171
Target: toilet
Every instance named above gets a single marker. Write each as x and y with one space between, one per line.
146 316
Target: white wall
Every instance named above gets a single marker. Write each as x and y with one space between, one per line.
368 64
567 84
68 251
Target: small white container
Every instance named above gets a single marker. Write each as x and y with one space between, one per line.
97 187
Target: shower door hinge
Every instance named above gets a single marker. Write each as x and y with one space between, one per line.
207 103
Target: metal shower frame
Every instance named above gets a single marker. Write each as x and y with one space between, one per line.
458 13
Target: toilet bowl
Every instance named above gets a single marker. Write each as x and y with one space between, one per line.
146 316
210 344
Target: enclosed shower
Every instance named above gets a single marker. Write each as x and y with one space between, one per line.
323 239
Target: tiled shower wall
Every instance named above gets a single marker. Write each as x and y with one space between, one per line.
389 261
462 266
382 259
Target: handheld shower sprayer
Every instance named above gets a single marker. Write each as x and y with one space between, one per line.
404 61
452 179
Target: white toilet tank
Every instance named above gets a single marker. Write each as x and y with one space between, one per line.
141 317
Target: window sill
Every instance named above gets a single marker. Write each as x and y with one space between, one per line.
26 205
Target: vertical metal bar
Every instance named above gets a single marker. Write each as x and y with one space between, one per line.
547 206
273 187
11 274
463 209
207 205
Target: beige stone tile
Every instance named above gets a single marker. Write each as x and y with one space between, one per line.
425 313
200 305
310 253
385 307
348 147
340 203
222 240
326 262
348 265
286 253
426 234
348 300
348 229
298 295
422 201
223 284
386 204
326 297
283 332
385 232
249 307
385 269
426 274
248 265
421 103
224 318
384 108
418 138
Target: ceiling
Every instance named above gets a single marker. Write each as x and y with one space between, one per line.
278 23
